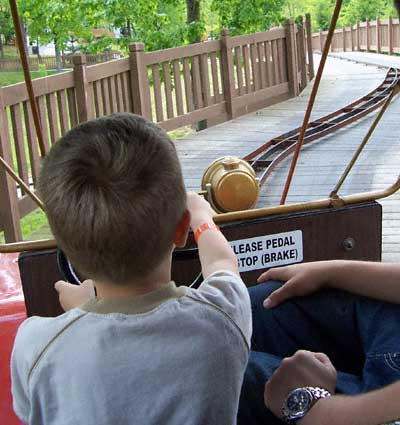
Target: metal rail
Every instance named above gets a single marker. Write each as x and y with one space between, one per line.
270 154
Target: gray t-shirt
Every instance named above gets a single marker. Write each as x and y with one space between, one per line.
174 356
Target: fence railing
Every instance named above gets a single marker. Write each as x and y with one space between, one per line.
50 62
212 81
380 36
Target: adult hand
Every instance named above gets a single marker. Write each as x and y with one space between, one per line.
71 296
303 369
301 279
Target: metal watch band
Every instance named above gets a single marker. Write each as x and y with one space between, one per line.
316 394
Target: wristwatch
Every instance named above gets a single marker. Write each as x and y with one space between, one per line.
299 402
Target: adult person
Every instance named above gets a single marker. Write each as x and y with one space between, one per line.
341 315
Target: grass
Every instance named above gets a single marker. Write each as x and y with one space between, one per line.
29 224
8 78
181 132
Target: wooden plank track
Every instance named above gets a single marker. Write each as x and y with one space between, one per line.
321 163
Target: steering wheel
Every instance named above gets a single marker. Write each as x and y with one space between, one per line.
70 275
66 269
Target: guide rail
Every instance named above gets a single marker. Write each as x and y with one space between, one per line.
264 159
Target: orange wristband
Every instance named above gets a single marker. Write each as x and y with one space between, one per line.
203 228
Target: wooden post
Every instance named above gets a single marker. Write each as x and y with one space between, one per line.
344 38
321 40
291 58
378 36
228 80
140 87
83 98
309 47
367 34
358 36
302 54
351 38
390 35
9 210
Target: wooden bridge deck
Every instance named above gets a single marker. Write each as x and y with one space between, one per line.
320 163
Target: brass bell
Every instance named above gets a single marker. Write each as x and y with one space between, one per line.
232 184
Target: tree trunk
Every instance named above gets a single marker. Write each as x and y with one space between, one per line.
1 47
193 15
193 10
25 36
58 57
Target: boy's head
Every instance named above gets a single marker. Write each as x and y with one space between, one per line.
114 196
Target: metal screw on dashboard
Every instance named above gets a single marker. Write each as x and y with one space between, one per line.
348 244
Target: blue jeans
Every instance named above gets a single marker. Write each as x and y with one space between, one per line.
361 336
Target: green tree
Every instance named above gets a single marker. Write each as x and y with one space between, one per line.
246 16
159 24
54 21
322 13
6 27
361 10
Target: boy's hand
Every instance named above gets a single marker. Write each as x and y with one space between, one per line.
200 210
301 279
303 369
71 296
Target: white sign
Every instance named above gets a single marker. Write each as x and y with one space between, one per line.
269 251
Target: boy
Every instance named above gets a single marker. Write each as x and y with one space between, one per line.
143 351
358 330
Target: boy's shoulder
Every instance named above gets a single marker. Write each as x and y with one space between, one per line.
36 333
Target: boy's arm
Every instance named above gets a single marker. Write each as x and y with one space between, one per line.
71 296
225 290
214 250
372 279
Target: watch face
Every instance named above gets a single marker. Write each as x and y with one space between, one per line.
298 403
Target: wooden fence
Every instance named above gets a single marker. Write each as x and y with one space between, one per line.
380 36
49 62
213 81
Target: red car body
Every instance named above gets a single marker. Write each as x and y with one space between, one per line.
12 313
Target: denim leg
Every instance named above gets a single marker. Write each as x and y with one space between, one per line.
379 327
360 335
324 322
252 410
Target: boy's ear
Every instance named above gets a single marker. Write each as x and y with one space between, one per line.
182 230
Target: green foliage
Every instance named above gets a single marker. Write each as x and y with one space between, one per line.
54 20
96 46
323 11
162 24
361 10
246 16
6 23
156 23
352 11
